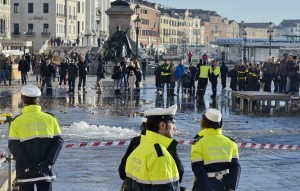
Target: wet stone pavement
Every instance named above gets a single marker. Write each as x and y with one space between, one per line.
93 117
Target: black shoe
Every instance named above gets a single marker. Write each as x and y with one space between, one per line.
173 95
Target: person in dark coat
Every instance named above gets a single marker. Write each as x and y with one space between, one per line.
63 68
116 76
144 64
48 73
283 73
23 68
100 75
193 69
157 73
83 69
138 81
233 73
72 75
3 68
124 76
9 69
252 78
224 71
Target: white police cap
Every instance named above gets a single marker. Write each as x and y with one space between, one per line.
213 115
165 113
30 91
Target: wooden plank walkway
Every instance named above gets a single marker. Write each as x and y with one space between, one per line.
251 96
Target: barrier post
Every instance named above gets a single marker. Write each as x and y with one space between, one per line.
9 156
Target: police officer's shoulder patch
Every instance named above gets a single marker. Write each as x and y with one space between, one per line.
196 139
158 150
49 113
230 138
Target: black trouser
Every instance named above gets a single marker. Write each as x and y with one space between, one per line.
293 84
45 186
62 78
223 82
43 83
282 83
276 83
268 80
242 84
71 82
192 88
202 83
83 80
158 83
166 80
214 83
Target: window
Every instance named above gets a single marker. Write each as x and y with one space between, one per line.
45 29
30 7
30 28
78 6
82 7
46 7
16 7
16 29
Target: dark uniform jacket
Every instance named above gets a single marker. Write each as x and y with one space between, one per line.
72 71
83 68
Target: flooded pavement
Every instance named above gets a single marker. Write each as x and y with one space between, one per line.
93 117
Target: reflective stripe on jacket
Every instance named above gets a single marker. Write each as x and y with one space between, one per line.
166 70
151 167
204 71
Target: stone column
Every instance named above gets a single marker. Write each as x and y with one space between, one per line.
119 14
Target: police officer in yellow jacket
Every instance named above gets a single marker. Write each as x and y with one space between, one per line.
214 157
166 76
202 77
214 72
150 166
35 142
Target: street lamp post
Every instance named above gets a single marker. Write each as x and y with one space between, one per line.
270 32
244 48
183 46
137 22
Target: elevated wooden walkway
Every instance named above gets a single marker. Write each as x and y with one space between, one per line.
251 96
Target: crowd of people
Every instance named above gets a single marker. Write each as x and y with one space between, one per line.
170 78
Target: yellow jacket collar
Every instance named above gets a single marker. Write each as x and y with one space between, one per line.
31 108
210 131
157 138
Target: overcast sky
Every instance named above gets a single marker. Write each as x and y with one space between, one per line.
243 10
